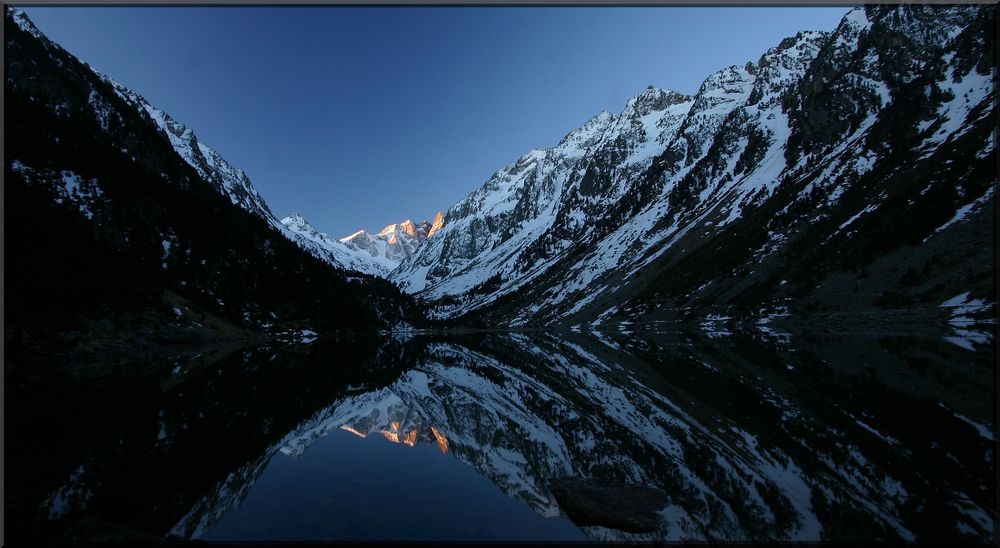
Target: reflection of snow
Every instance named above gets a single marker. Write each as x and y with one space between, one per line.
776 335
72 496
714 326
960 305
964 324
983 430
967 338
523 408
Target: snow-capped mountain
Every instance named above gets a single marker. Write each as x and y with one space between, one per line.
823 147
394 243
778 183
327 248
376 254
489 232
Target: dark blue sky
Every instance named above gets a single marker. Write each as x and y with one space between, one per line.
359 117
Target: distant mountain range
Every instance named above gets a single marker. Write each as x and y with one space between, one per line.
377 254
841 171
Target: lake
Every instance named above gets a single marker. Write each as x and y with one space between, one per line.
744 434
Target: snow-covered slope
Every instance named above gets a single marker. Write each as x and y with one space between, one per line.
229 180
329 249
545 194
553 203
573 231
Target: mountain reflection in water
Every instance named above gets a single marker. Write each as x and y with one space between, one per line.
801 438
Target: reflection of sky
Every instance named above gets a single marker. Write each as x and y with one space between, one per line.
347 487
359 117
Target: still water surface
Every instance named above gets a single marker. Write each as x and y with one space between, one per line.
800 437
423 494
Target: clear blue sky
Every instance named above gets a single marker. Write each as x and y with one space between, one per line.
360 117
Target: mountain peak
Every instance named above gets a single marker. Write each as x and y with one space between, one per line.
653 99
406 227
437 224
295 219
652 91
354 237
25 24
394 243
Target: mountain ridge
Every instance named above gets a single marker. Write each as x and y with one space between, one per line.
229 180
142 236
377 254
664 201
570 234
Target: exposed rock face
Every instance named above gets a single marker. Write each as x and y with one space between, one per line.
437 224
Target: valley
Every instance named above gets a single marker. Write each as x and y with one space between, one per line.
764 311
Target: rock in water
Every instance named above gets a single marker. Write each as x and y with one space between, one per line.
629 508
